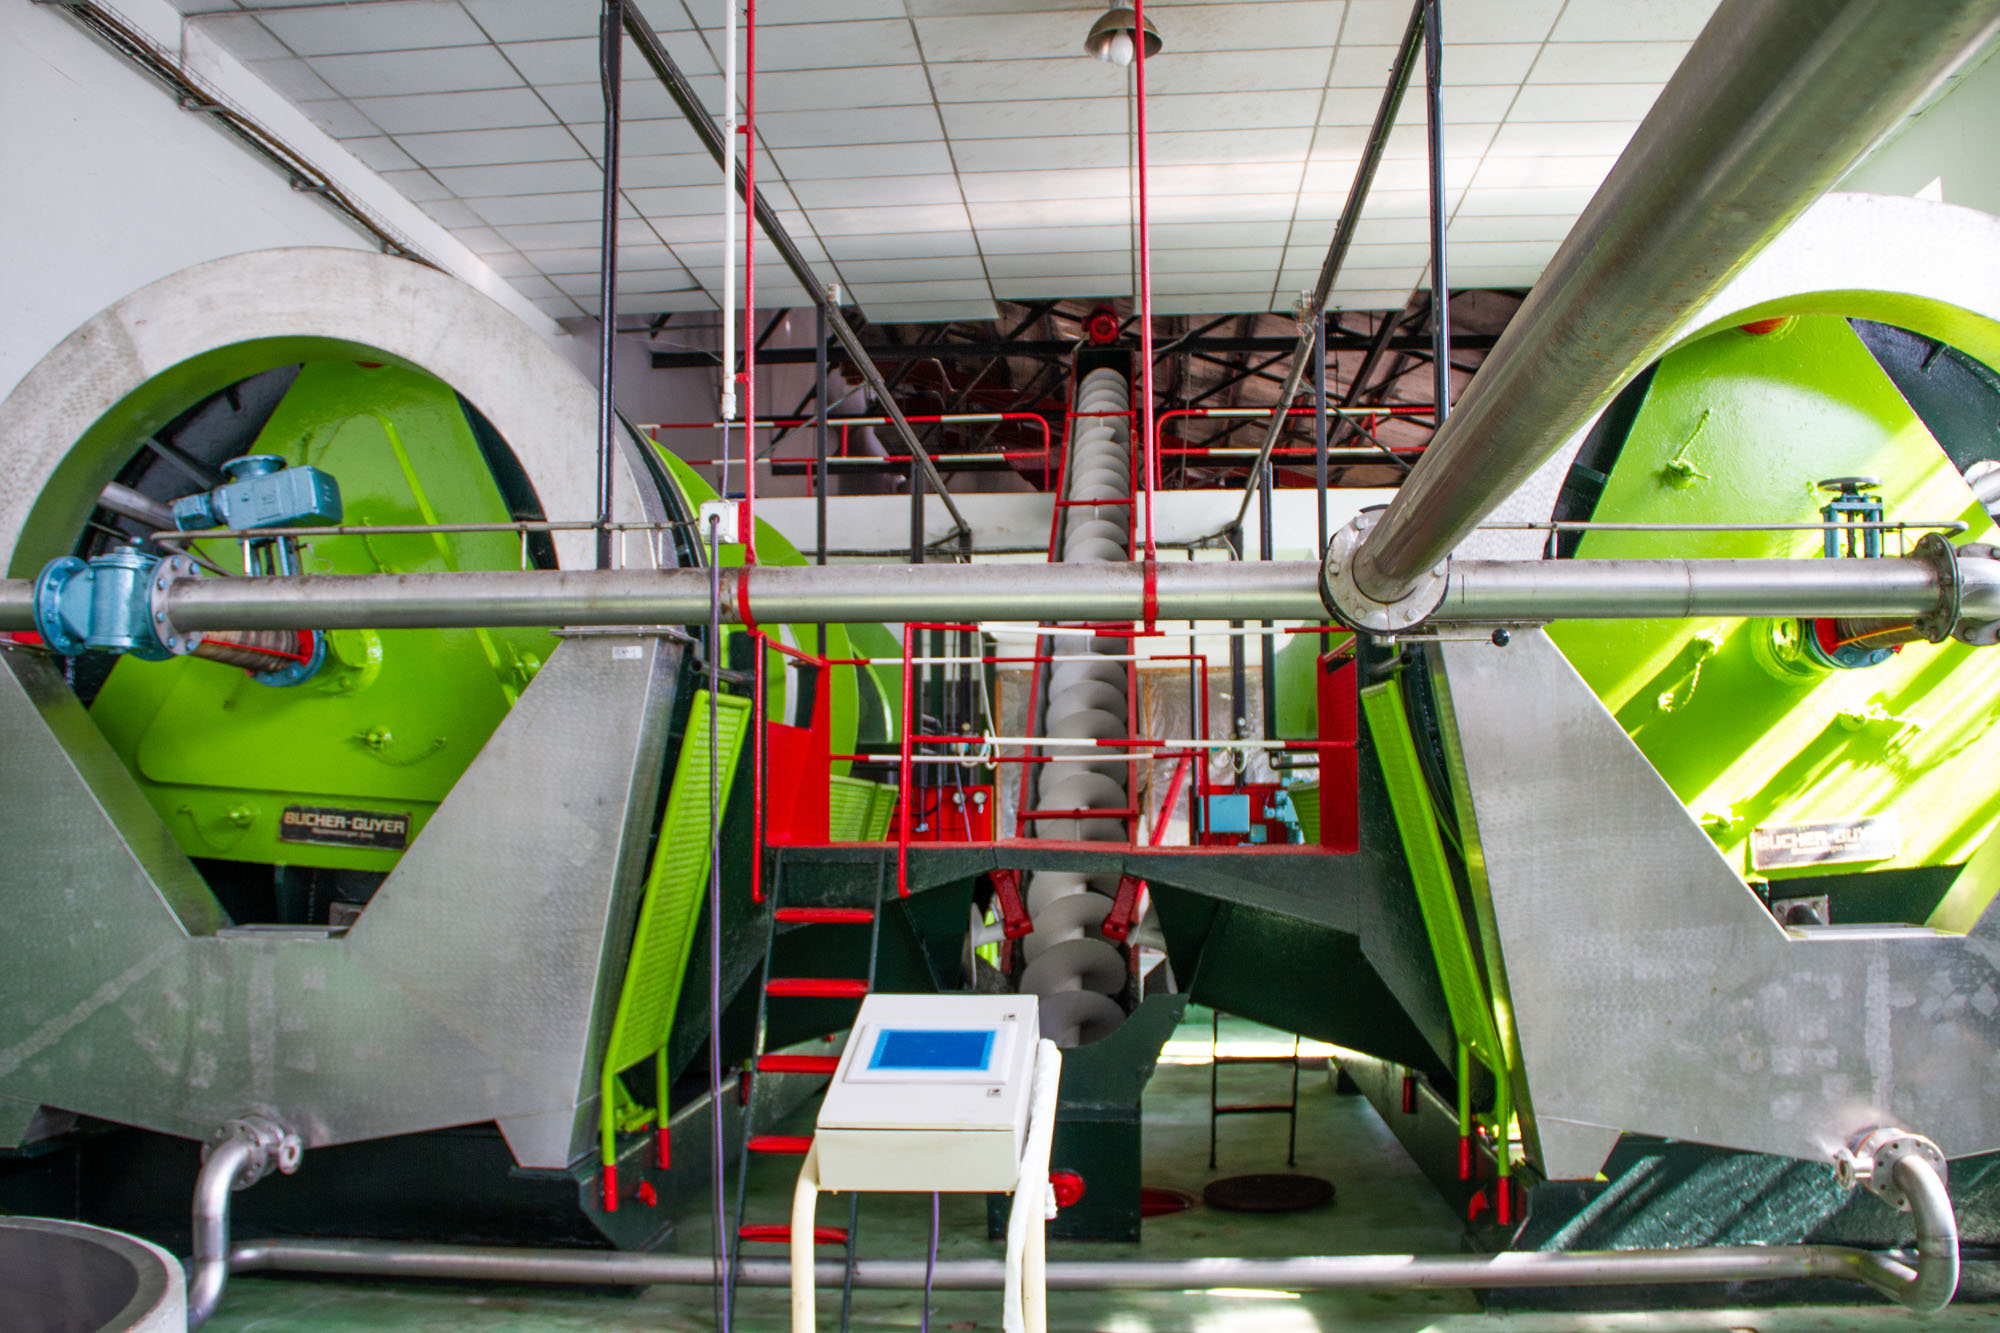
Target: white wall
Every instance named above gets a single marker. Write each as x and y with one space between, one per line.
1949 143
106 185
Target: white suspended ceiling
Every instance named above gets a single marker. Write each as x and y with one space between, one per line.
936 156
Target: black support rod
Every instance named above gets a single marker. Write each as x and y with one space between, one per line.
677 86
1061 349
1440 283
610 56
1343 236
819 434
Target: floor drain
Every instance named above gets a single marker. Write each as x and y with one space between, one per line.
1277 1192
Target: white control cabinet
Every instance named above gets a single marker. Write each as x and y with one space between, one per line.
932 1094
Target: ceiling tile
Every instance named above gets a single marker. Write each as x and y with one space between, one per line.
859 44
1503 254
905 218
1526 173
1048 213
1032 153
1632 20
1241 26
505 108
652 170
472 148
1574 138
1083 263
841 89
1239 110
1024 36
988 187
1584 101
860 125
445 69
328 30
893 245
1037 240
1512 21
464 223
1062 78
1286 143
930 157
927 312
860 271
1479 227
1462 104
1608 62
1219 235
880 190
1495 276
1224 72
873 294
1567 201
511 209
1058 286
1014 120
536 20
522 177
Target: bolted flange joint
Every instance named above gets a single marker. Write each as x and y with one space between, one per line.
271 1145
1354 608
1870 1162
1975 573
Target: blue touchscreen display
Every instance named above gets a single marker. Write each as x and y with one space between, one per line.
932 1049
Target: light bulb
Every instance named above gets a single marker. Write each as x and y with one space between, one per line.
1119 50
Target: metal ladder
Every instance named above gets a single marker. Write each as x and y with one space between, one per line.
1217 1108
762 1063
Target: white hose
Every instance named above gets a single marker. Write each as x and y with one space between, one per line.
805 1204
1073 969
1024 1295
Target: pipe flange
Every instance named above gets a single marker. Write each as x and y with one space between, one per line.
1937 624
1356 609
272 1146
1871 1162
169 571
1973 633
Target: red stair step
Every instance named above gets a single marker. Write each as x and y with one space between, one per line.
826 916
792 1144
797 1064
777 1233
817 988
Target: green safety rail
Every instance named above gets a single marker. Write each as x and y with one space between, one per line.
668 917
1478 1035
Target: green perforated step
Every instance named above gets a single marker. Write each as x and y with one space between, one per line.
671 909
1437 896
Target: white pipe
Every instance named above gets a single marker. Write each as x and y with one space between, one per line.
728 231
1024 1292
805 1202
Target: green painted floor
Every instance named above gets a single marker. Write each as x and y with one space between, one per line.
1383 1205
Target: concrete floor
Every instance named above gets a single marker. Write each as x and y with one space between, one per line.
1383 1205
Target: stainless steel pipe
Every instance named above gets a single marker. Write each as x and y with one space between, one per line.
1739 1263
1479 590
1774 101
212 1257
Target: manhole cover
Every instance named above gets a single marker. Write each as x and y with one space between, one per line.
1278 1192
1159 1201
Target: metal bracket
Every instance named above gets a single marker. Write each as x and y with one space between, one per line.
1871 1162
271 1145
1356 609
1937 624
1014 919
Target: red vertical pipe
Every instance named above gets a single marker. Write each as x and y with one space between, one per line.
749 375
909 775
756 774
1145 278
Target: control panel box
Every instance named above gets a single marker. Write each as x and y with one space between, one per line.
931 1094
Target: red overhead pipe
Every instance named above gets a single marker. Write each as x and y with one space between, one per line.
1145 277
